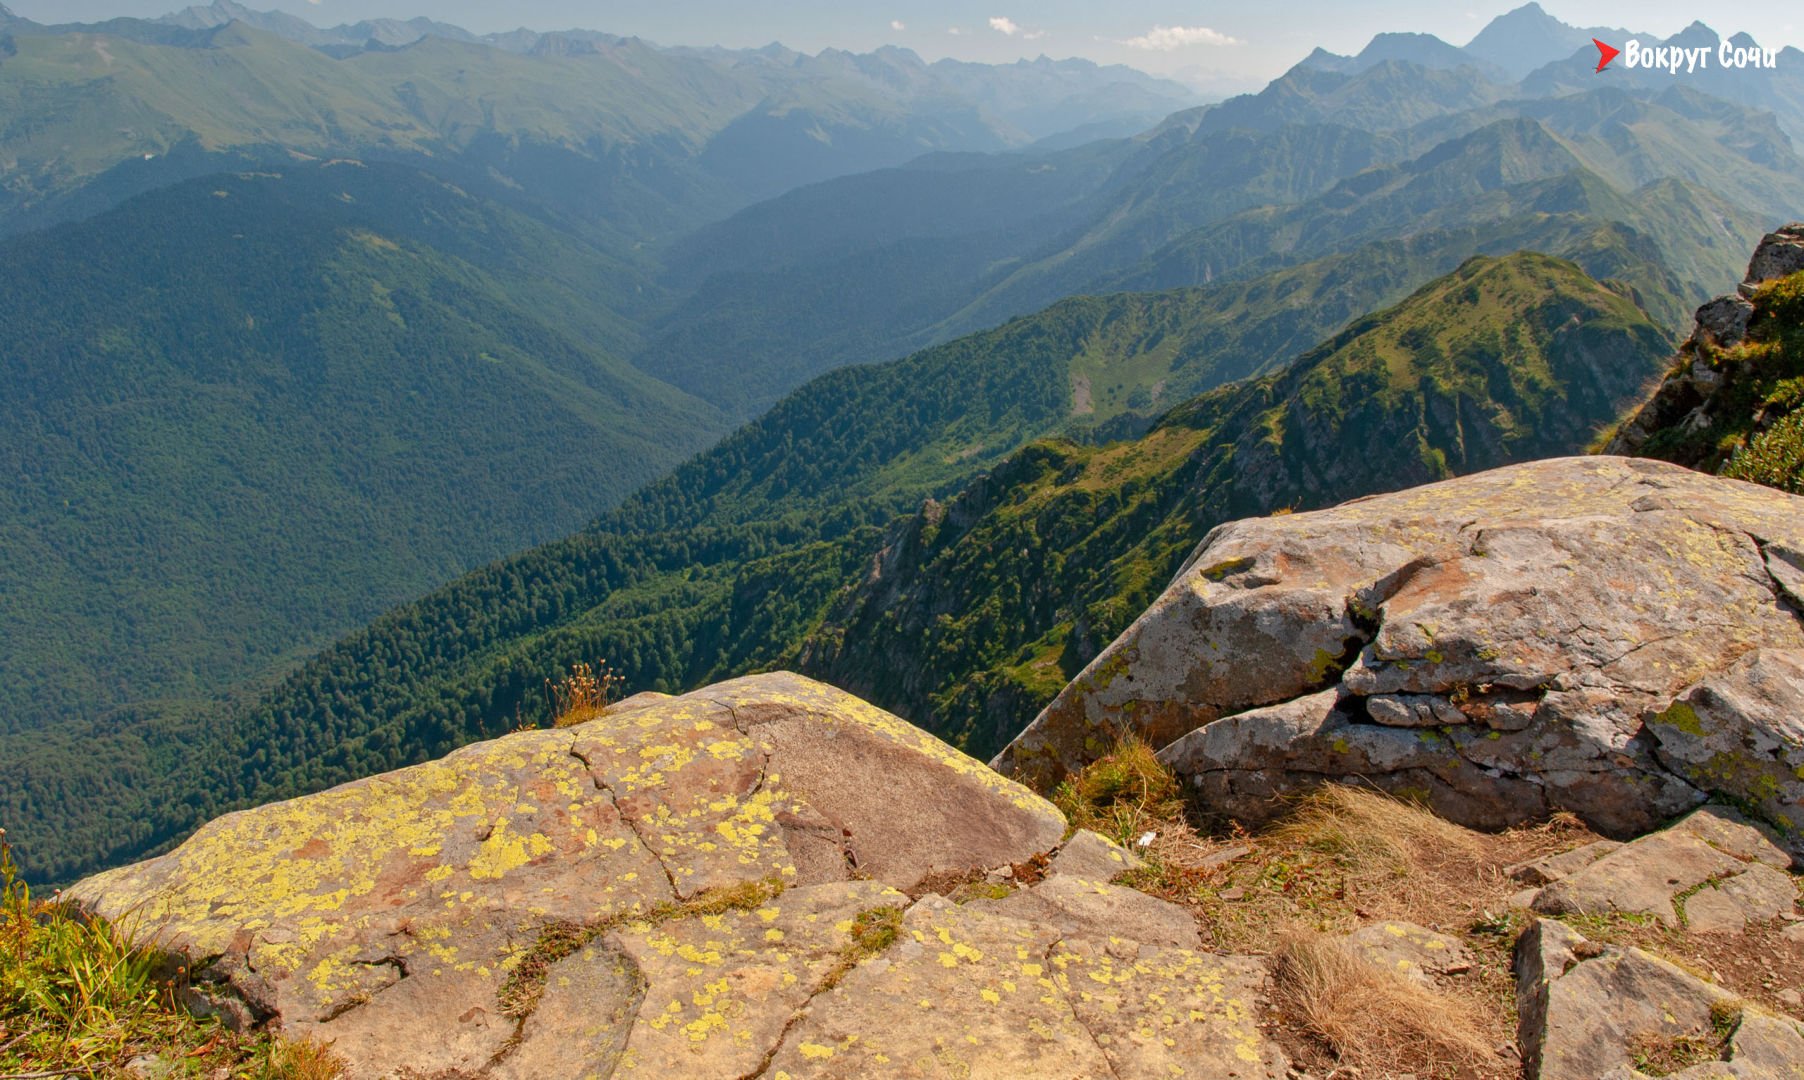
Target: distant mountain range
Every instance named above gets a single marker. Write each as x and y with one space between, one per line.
735 125
1320 161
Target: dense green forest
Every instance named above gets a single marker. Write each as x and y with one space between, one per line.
753 554
248 412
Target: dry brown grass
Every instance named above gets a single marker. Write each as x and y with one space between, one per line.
1337 858
1375 836
1375 1020
582 695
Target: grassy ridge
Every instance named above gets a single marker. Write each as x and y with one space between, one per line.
1755 428
988 606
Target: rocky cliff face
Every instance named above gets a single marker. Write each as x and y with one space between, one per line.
1613 637
1717 398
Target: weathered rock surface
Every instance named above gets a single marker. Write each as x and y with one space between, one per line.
1415 952
1687 399
972 993
1742 732
1095 909
1713 872
686 887
1087 855
1551 868
1502 645
1584 1009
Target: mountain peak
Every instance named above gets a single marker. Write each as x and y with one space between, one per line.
1696 34
1519 41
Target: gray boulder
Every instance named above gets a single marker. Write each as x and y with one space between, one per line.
1613 637
1583 1009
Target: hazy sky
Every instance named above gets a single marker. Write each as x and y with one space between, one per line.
1197 40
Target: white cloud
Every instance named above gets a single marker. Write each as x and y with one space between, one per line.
1002 24
1167 38
954 31
897 24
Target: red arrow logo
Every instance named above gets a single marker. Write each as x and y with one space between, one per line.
1605 54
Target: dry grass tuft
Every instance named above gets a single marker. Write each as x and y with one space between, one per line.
1374 836
1339 858
582 695
304 1060
1372 1019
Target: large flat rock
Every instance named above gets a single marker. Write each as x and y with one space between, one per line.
1614 637
974 993
1586 1009
709 886
397 905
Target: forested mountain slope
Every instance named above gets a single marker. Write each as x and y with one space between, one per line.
978 611
246 413
752 554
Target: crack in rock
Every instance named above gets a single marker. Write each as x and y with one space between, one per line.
828 983
1071 1004
631 824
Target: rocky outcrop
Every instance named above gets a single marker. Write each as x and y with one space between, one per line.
723 884
1713 872
1692 397
1613 637
1584 1010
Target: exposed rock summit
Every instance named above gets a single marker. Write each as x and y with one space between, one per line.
716 885
1618 638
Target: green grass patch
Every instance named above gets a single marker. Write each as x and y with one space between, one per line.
79 997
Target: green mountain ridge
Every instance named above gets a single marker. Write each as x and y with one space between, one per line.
984 608
737 561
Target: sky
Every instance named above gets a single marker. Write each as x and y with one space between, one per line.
1229 46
